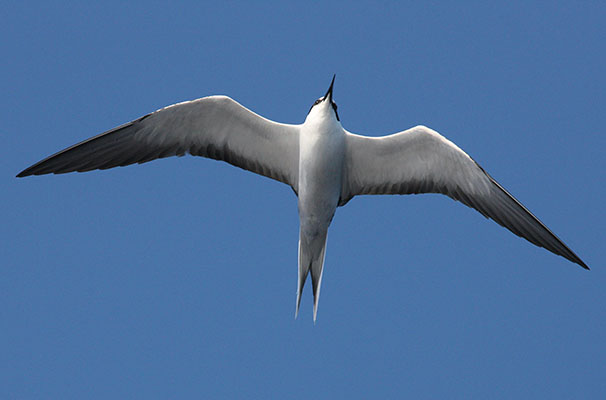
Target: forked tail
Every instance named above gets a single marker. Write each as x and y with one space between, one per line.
311 259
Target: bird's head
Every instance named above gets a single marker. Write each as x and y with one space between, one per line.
325 104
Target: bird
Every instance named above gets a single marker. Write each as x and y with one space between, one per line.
324 164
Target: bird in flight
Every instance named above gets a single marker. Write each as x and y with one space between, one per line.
324 164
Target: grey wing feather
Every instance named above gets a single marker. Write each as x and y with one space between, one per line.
215 127
420 160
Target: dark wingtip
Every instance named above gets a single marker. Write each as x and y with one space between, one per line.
29 171
577 260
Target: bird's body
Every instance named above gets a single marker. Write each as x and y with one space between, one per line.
323 163
321 171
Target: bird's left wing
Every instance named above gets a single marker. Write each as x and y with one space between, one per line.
420 160
216 127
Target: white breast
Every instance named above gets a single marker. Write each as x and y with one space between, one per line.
321 162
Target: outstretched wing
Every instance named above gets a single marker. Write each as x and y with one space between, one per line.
420 160
216 127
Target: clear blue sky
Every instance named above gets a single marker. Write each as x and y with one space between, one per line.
177 278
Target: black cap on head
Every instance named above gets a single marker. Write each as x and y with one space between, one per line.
328 96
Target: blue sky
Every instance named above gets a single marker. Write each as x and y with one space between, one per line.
177 278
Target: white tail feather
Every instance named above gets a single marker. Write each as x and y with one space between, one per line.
312 251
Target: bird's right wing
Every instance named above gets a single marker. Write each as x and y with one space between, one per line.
420 160
216 127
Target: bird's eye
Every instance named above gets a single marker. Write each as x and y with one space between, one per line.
334 107
315 104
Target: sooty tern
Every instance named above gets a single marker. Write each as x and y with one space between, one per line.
323 163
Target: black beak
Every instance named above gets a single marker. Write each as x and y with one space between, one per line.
329 92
